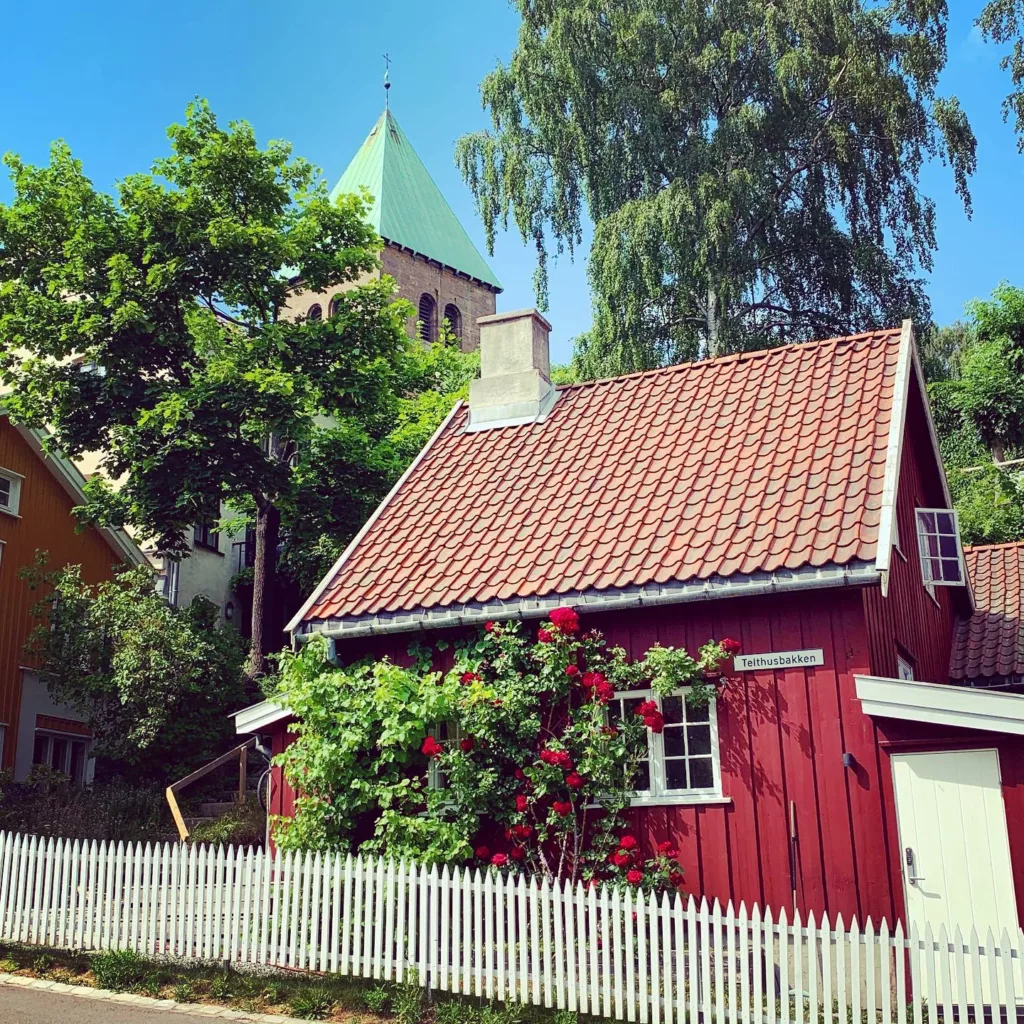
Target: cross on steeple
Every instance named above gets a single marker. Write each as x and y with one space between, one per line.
387 78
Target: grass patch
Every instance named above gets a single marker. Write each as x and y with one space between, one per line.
307 996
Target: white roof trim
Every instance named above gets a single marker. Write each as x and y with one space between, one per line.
259 716
718 587
326 581
894 453
941 704
70 477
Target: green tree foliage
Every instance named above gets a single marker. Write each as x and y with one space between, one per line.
516 736
1001 22
152 327
976 388
751 168
347 468
154 682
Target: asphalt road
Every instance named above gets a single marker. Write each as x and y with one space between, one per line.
31 1006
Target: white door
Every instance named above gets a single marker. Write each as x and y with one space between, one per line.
953 844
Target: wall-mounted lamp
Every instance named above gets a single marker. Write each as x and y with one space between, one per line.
849 761
229 611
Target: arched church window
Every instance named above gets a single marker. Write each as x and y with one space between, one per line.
428 317
315 312
332 307
454 318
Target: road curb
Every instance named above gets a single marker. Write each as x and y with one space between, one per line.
148 1002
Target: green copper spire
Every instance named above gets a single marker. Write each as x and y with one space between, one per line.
408 208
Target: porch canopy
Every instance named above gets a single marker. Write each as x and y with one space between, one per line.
941 704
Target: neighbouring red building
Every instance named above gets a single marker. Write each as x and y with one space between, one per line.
791 498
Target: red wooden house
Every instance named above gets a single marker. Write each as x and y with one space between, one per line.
791 498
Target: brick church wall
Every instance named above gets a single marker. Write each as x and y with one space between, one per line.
415 275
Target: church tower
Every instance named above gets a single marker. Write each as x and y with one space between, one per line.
426 249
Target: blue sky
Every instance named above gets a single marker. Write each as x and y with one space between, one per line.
110 76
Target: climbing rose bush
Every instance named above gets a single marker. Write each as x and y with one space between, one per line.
508 756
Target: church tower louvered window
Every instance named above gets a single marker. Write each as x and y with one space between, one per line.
427 318
454 318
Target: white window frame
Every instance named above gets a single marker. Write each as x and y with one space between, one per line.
904 668
71 738
14 500
171 581
660 795
925 557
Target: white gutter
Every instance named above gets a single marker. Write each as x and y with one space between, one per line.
855 574
333 571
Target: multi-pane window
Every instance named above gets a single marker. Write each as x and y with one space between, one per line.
938 539
206 536
10 491
65 754
683 759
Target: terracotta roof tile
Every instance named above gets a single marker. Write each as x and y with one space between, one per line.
753 462
991 641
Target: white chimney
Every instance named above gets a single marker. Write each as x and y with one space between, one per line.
515 371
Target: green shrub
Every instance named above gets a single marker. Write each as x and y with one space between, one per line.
244 825
220 987
185 991
42 964
312 1003
8 966
152 985
407 1004
376 999
119 970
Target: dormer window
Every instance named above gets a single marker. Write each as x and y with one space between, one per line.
938 542
427 327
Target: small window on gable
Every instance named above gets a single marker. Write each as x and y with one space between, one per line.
427 325
316 312
454 318
10 491
938 540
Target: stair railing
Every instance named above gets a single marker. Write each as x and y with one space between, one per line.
176 787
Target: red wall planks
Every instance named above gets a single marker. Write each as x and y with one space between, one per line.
46 524
908 617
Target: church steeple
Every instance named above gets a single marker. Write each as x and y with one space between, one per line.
408 209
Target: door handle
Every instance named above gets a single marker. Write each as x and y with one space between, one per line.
912 875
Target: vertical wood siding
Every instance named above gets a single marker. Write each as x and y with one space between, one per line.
908 617
782 737
46 524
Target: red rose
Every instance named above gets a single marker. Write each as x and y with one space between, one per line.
521 831
654 721
575 781
468 677
499 860
488 627
676 878
519 774
483 852
604 691
667 848
648 707
620 859
517 853
572 671
562 807
544 636
565 620
634 877
731 647
431 747
466 744
521 803
559 758
628 843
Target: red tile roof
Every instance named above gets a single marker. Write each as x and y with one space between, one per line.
991 641
755 462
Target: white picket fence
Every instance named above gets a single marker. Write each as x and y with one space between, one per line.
596 951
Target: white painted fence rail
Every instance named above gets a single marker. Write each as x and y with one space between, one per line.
595 951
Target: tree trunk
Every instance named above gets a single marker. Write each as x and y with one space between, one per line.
264 626
998 453
714 322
